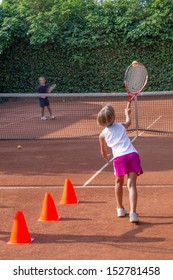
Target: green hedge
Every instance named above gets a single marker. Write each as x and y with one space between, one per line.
82 69
84 45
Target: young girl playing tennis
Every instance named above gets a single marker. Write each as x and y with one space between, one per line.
125 157
44 101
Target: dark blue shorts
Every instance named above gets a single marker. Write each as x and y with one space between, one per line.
44 102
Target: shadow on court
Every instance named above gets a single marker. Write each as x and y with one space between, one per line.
42 238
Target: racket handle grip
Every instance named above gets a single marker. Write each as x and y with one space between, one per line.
131 99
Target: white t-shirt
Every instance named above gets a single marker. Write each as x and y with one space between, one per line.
116 138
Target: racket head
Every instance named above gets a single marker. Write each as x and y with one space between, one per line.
135 78
51 88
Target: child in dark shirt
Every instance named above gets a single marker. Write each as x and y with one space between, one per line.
44 101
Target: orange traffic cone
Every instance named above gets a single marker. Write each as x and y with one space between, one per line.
68 196
49 212
20 233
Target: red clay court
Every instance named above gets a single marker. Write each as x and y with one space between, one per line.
90 229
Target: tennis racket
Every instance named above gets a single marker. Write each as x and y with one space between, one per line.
51 88
135 79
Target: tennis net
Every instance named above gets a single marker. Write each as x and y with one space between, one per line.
20 116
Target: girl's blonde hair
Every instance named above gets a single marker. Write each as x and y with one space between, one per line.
106 116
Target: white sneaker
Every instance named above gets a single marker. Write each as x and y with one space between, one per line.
121 212
133 218
43 118
52 117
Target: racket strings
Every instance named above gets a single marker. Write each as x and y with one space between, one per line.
136 78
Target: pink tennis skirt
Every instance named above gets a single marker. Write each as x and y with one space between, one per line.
126 164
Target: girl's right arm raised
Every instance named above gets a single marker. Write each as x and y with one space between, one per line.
127 123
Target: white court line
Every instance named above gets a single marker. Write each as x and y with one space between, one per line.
77 187
104 166
13 123
146 128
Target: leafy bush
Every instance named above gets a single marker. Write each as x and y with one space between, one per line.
84 45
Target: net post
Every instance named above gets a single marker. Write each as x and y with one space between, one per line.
136 115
